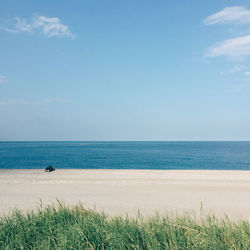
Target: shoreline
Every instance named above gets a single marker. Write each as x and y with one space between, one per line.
120 192
124 169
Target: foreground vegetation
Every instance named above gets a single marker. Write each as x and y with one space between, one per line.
77 228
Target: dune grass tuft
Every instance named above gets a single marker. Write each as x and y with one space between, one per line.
61 227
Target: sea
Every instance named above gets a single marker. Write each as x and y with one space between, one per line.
125 155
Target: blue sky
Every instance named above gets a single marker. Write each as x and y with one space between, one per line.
125 70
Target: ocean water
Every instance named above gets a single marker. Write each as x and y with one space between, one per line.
125 155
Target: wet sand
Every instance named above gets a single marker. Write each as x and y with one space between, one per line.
120 192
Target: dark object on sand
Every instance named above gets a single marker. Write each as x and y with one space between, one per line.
49 169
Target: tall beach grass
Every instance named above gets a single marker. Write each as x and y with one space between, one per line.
62 227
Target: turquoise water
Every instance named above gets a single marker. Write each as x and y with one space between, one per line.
125 155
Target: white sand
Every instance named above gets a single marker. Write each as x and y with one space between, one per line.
126 191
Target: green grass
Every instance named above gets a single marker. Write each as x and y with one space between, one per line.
61 227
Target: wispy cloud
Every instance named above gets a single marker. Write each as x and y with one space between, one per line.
237 68
241 85
48 26
2 78
235 47
239 46
234 14
234 70
13 101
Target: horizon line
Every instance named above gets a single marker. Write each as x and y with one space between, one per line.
124 140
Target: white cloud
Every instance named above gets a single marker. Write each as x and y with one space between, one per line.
235 47
45 102
52 26
8 102
239 46
48 26
241 85
2 78
22 25
235 14
247 73
237 68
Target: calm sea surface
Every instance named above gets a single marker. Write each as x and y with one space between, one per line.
125 155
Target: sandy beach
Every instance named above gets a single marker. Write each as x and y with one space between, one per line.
120 192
